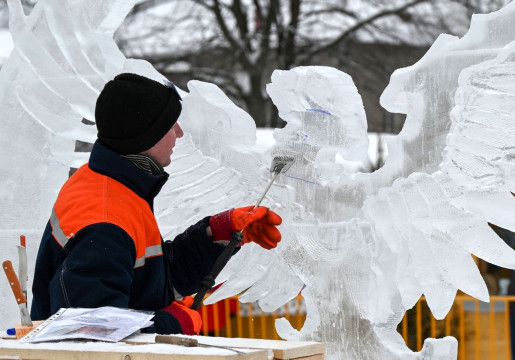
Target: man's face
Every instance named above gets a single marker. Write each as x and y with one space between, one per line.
162 151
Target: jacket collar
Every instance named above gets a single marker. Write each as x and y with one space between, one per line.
106 162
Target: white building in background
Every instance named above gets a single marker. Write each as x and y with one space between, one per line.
6 45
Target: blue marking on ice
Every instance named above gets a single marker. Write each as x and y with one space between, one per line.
298 178
319 111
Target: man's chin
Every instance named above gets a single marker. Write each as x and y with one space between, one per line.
166 163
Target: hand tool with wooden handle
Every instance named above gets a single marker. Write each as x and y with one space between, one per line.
17 291
176 340
189 342
22 265
280 164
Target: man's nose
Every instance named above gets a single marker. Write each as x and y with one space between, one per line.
178 130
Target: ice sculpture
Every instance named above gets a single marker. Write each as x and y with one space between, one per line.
362 247
365 247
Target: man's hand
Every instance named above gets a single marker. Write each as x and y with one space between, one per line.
259 225
190 320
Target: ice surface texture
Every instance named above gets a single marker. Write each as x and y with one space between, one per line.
362 247
367 246
64 53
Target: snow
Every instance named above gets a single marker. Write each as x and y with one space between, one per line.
265 137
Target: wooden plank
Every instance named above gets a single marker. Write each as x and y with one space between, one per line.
282 350
143 347
27 354
108 351
315 349
313 357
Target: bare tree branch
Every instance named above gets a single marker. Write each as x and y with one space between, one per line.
146 5
259 11
238 46
330 11
291 32
241 19
360 24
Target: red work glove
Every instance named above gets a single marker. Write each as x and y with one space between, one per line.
190 320
259 224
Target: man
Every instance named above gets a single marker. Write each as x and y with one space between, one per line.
102 245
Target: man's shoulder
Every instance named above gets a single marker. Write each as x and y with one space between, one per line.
92 198
88 185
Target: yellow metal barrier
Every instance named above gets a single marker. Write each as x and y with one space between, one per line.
482 329
247 320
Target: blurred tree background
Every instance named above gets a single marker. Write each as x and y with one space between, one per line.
236 44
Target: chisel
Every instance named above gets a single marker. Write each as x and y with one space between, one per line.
280 164
22 265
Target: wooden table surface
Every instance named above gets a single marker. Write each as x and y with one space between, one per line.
143 347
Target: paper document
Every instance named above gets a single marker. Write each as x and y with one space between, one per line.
105 323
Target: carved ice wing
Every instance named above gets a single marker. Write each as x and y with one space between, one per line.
480 149
438 220
463 91
63 53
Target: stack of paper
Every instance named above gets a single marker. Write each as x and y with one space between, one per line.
105 323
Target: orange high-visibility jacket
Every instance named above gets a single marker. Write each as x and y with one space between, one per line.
102 245
91 198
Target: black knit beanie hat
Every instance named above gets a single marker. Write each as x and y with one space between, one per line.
133 113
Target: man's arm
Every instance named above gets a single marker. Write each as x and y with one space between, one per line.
192 255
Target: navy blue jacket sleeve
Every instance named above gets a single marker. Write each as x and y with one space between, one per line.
192 255
50 256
